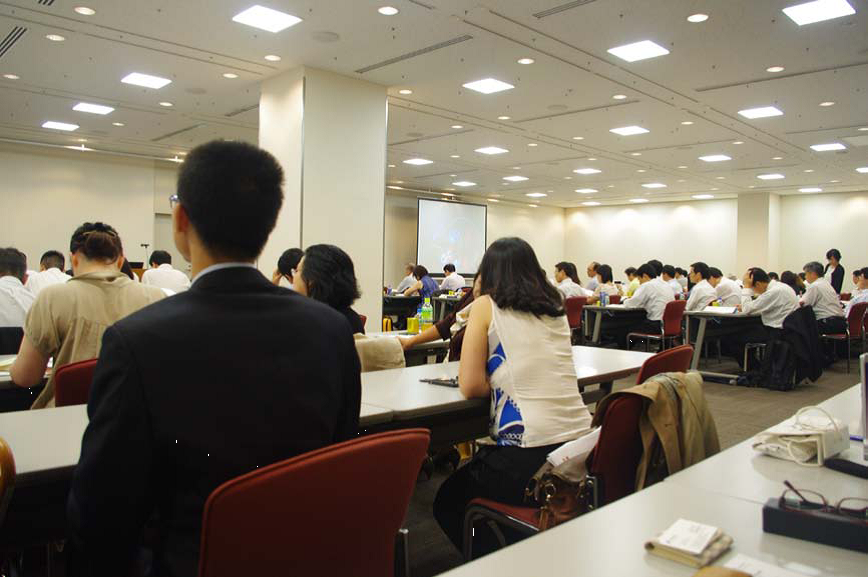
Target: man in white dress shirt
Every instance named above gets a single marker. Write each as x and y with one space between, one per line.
702 294
652 295
727 290
822 297
15 300
50 272
408 280
592 276
858 275
452 281
668 276
862 295
567 281
163 275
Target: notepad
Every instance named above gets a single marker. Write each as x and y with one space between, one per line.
721 310
690 543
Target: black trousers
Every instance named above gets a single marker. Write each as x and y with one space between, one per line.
832 325
733 345
618 328
497 473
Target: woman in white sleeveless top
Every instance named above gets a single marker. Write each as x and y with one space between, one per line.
517 352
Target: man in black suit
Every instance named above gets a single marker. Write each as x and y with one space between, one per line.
232 375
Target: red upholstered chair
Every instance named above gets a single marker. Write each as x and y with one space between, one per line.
855 329
611 469
614 299
364 319
675 360
333 511
7 477
845 296
72 383
573 307
673 315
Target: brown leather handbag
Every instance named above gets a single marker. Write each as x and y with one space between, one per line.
562 493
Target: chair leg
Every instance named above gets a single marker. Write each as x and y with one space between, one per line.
402 553
848 356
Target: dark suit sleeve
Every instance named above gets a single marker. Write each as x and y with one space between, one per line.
348 417
111 494
838 279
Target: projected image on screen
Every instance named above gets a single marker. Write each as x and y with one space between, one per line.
450 232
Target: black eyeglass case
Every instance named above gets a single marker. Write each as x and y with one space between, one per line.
825 527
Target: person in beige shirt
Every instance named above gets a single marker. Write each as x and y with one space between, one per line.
67 321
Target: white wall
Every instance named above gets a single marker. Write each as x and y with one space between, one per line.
677 233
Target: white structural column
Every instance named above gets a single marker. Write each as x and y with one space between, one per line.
329 133
759 234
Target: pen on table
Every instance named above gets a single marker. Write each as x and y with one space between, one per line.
856 438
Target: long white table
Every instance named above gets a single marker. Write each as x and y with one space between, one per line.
619 309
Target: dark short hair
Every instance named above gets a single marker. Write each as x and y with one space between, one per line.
593 266
759 275
605 272
13 263
802 275
630 270
833 252
865 272
513 279
814 267
289 260
159 257
449 267
96 241
647 269
774 276
658 266
788 277
701 269
53 259
714 272
568 269
680 271
232 193
420 272
330 276
669 270
860 271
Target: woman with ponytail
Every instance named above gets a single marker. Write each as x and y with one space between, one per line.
67 320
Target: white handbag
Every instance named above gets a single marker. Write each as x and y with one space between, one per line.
806 439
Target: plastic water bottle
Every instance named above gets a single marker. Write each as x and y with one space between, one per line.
604 299
427 315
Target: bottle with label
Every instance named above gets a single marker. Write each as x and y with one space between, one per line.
604 299
427 315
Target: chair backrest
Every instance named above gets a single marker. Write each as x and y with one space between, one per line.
364 319
845 296
72 383
7 477
614 299
675 360
10 340
574 306
332 511
855 319
619 448
673 314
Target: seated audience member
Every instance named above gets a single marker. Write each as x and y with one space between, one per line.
592 276
453 281
287 267
567 279
702 294
163 275
822 297
450 328
604 284
128 270
658 266
408 280
425 286
858 275
834 272
326 273
793 281
668 276
50 272
67 321
727 290
517 353
632 281
773 276
15 299
862 295
652 295
681 277
231 375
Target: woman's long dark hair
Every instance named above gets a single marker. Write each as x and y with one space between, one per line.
330 276
513 278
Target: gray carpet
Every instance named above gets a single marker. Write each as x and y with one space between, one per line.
739 413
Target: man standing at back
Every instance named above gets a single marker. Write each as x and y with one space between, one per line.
50 272
229 376
163 275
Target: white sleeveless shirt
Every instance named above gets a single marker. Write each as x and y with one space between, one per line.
535 400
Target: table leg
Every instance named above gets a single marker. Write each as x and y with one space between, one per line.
598 321
697 347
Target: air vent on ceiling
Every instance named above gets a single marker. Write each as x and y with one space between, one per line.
11 39
176 133
415 53
241 111
45 2
562 8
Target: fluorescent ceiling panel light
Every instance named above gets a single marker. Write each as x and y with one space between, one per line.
166 104
405 91
492 200
619 96
587 171
118 124
503 117
697 18
266 18
532 144
591 203
464 183
55 37
536 194
777 158
737 142
93 108
811 189
629 130
654 185
828 147
526 61
582 137
586 190
862 169
638 51
11 76
714 158
272 57
827 103
773 176
457 126
703 196
60 125
687 122
682 166
146 80
491 150
84 10
638 200
635 154
488 85
818 11
515 178
533 205
230 75
775 69
418 161
761 112
387 10
641 170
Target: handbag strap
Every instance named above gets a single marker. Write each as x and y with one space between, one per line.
804 410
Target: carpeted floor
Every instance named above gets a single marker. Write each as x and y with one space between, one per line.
739 413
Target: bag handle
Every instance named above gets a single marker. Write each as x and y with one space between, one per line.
790 441
804 410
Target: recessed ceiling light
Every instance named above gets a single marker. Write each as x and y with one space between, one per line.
146 80
65 126
641 170
809 170
697 18
687 122
775 69
387 10
811 189
586 190
737 142
452 175
118 124
418 161
635 154
266 18
703 196
503 117
638 51
592 159
399 182
488 86
454 156
515 178
582 137
393 187
587 171
166 104
751 186
11 76
715 189
230 75
862 129
761 112
773 176
619 96
405 91
533 205
55 37
827 147
654 185
526 60
827 103
591 203
84 10
456 126
638 200
81 139
714 158
92 108
492 200
568 178
464 183
720 177
681 180
491 150
629 130
862 169
818 11
532 144
272 57
391 166
536 194
833 181
682 166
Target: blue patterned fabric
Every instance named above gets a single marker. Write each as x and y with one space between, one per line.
429 287
495 360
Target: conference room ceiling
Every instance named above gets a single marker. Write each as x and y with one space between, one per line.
714 69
